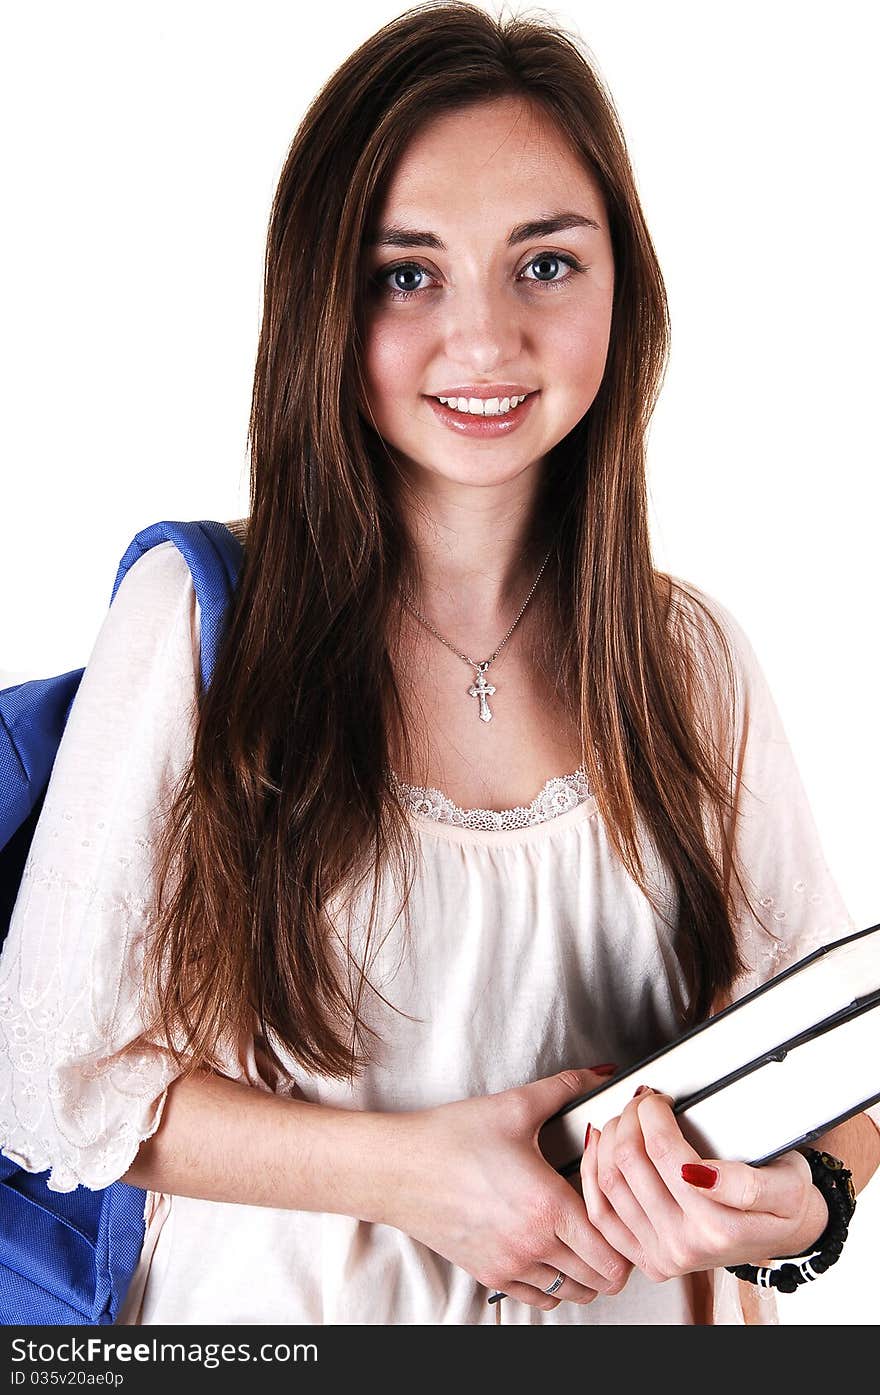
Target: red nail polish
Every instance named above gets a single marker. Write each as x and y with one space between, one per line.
699 1175
587 1136
604 1069
641 1090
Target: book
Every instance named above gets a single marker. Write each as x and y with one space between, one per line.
772 1071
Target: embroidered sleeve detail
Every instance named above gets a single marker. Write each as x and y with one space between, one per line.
794 925
557 796
81 1085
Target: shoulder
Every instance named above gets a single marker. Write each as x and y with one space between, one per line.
131 721
710 626
723 672
148 642
155 603
702 613
159 580
158 587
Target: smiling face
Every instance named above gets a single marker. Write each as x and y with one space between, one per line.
479 305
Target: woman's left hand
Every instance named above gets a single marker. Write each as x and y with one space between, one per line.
637 1197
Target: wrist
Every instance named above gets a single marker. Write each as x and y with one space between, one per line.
368 1153
813 1225
788 1272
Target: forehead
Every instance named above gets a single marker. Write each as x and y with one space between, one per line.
488 154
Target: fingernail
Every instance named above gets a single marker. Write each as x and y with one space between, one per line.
605 1069
587 1136
642 1090
699 1175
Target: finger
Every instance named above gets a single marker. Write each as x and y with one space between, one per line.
617 1191
775 1189
648 1186
600 1212
778 1188
548 1095
570 1290
664 1142
668 1151
589 1276
527 1293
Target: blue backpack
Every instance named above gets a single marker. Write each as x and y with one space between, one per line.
68 1257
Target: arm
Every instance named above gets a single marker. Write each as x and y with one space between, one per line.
223 1140
466 1179
857 1143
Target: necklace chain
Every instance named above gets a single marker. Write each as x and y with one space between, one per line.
481 688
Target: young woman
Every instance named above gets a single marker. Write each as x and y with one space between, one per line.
478 806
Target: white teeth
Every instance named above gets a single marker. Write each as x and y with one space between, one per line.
478 407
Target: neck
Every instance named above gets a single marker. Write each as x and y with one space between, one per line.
478 551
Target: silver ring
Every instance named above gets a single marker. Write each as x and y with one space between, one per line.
556 1284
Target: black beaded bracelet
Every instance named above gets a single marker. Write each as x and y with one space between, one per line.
834 1181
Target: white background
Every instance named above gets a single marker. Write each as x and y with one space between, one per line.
142 147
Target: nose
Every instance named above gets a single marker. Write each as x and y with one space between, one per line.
483 329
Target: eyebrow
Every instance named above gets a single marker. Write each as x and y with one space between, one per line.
396 236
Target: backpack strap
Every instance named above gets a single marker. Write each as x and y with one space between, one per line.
214 554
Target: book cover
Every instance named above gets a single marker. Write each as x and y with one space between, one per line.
776 1069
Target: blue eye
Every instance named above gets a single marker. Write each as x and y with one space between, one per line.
408 267
415 268
557 257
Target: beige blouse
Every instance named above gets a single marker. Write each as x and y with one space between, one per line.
527 949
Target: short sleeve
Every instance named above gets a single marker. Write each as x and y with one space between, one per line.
789 903
80 1086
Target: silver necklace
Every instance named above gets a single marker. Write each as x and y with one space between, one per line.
480 688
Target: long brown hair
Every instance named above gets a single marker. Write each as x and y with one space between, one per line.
287 809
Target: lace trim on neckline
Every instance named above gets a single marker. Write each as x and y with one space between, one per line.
558 795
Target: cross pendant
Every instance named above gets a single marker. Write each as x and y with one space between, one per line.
482 690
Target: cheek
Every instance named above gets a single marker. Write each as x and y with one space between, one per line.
393 355
580 337
575 361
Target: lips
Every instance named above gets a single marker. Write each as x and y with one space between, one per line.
480 426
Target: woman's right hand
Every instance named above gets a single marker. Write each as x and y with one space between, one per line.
474 1187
